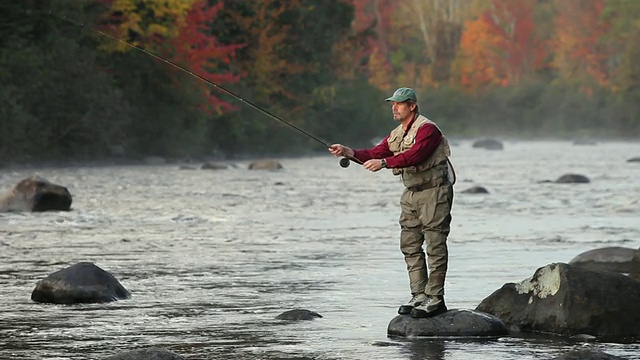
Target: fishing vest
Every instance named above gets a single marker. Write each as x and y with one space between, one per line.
433 171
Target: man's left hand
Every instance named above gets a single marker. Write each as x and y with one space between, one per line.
373 165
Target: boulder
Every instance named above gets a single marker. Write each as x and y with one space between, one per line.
83 282
146 354
567 300
456 322
488 144
634 159
265 164
298 314
36 194
634 272
611 258
572 179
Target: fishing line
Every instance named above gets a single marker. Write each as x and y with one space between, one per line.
344 162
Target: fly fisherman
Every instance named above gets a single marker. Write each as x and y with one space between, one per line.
418 152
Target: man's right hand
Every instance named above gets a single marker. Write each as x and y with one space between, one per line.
340 150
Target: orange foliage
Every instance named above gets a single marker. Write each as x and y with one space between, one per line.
501 46
380 70
581 57
479 64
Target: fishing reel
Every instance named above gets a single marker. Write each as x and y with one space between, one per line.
344 162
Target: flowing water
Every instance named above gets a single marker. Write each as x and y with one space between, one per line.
211 257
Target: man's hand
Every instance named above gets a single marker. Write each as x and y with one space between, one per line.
340 150
373 165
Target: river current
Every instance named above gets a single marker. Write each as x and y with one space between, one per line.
212 256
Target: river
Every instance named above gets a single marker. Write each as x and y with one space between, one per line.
211 257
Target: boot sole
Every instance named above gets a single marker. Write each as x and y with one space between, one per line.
421 314
405 309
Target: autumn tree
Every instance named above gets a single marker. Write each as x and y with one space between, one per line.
623 39
179 31
501 46
581 56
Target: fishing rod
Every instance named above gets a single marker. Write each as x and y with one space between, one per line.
344 162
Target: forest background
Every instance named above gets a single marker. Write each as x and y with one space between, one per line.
481 68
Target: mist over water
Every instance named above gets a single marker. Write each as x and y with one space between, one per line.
211 257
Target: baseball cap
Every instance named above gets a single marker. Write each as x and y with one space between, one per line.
403 94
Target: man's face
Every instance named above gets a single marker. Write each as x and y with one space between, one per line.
401 110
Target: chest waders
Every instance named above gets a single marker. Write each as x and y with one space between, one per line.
425 211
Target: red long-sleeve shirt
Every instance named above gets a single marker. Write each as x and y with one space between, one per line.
427 140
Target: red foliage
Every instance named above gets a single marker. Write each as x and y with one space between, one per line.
203 54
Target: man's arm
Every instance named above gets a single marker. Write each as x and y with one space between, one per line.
379 151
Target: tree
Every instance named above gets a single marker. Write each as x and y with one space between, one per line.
580 54
623 37
179 31
501 47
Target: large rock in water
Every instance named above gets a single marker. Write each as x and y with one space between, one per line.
298 314
451 323
36 194
568 300
572 179
146 354
83 282
611 258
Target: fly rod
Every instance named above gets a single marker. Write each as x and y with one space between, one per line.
344 162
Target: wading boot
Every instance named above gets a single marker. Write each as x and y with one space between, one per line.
434 305
416 300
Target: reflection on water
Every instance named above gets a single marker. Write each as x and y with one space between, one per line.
211 257
427 350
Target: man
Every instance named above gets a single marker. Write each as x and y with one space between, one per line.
418 152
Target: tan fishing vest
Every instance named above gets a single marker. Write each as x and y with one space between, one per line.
430 173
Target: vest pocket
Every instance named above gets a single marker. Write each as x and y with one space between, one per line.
418 181
409 140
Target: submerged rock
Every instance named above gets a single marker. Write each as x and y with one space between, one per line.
298 314
146 354
451 323
587 354
475 190
265 164
213 166
572 179
584 142
488 144
83 282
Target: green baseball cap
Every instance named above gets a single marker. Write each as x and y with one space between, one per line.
403 94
